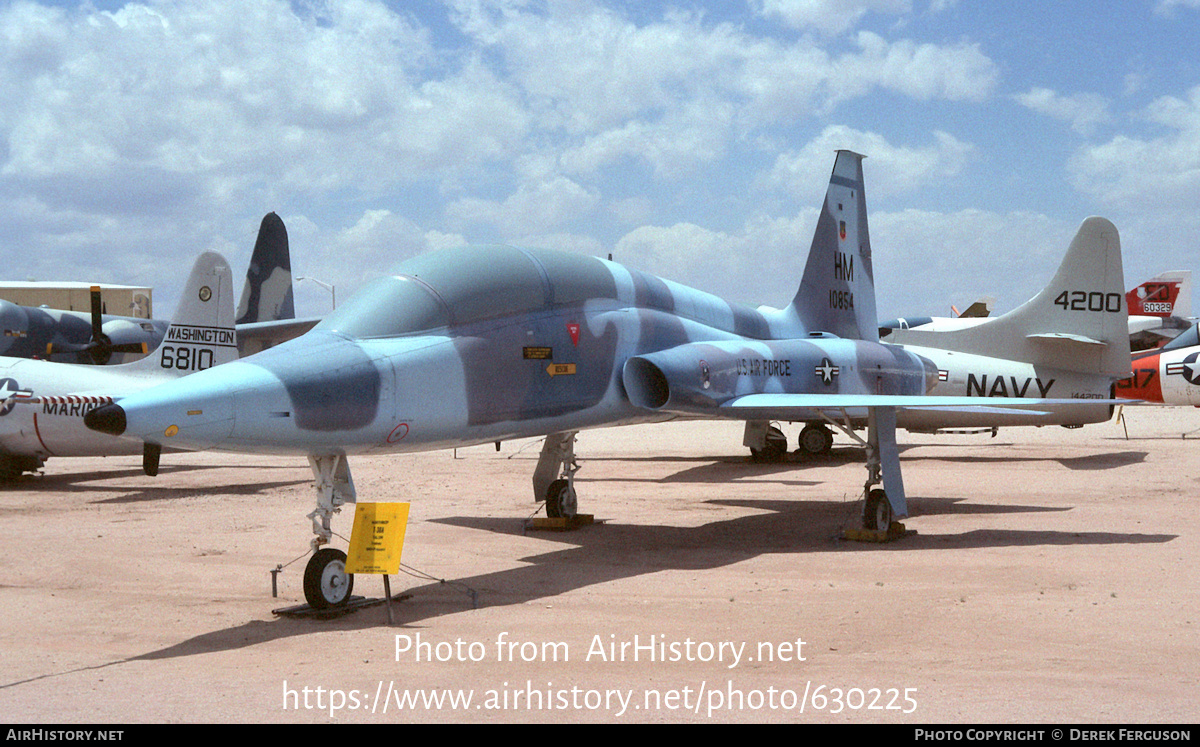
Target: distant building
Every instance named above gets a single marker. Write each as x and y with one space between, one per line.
118 300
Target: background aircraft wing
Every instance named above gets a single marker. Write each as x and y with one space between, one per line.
256 336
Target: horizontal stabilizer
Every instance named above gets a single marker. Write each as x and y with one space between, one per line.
1063 337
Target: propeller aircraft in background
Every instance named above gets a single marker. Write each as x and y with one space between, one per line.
98 338
1159 309
43 401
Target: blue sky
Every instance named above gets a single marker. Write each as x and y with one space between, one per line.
692 140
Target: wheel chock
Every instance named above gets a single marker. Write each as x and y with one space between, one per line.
560 524
353 604
894 532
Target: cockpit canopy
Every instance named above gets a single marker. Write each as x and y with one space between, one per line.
1185 339
460 286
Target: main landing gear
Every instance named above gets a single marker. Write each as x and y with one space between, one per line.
326 583
768 443
880 510
816 439
12 467
877 511
554 476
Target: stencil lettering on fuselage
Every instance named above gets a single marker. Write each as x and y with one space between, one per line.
504 385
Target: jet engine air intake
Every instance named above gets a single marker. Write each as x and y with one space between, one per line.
645 384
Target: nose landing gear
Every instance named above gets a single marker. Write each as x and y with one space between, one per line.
326 583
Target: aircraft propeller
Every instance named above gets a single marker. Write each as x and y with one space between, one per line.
100 348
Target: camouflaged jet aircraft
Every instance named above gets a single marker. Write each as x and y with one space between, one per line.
485 344
98 338
43 403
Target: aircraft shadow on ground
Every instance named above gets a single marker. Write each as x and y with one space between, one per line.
612 552
78 480
1109 460
95 482
605 553
718 472
853 455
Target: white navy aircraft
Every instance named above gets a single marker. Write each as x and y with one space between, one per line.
47 399
44 402
1071 341
484 344
1159 309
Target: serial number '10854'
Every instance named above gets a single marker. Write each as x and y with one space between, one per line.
184 358
1089 301
841 299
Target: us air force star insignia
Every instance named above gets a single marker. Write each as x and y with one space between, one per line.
1190 368
205 293
826 370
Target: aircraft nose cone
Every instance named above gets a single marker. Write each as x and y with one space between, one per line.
108 419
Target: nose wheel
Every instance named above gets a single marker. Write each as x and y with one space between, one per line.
554 476
326 583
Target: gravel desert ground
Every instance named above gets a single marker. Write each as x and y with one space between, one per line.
1052 578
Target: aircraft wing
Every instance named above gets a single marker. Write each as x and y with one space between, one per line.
813 406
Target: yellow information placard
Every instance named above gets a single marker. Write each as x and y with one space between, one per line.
377 538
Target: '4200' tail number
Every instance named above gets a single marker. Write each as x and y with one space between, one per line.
1089 301
185 358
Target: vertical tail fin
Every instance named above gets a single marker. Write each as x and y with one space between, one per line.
1168 294
202 333
1079 322
978 310
837 292
267 295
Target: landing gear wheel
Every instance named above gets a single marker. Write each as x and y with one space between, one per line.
561 502
816 439
877 512
326 583
774 450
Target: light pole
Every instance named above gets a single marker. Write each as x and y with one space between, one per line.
331 288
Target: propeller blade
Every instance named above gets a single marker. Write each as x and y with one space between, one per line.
97 322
